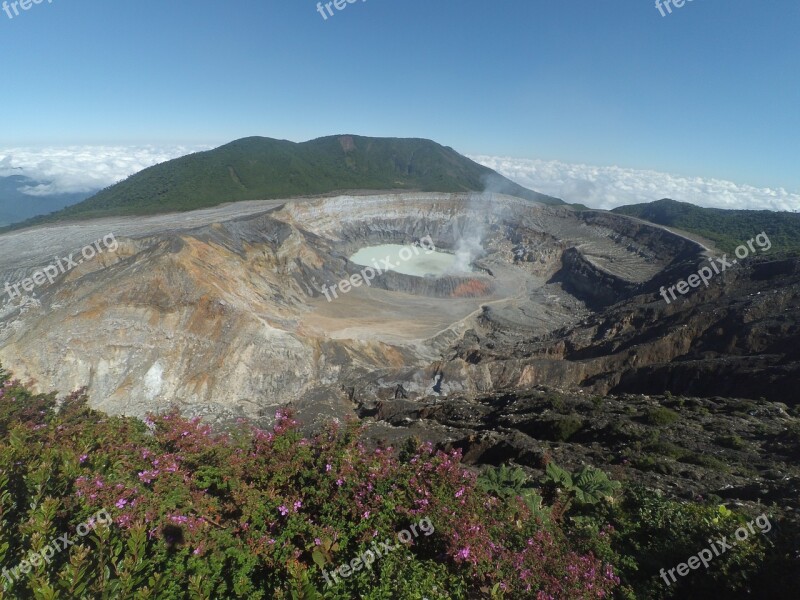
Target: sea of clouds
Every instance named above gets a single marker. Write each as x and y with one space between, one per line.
82 169
609 187
85 169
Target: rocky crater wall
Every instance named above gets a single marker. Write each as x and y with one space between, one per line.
227 318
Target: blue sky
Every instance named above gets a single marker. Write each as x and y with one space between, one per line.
710 91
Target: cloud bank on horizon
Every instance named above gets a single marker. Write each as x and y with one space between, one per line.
609 187
86 169
82 169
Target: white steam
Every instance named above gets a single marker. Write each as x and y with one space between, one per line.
468 250
469 241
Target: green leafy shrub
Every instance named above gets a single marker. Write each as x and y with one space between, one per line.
660 416
509 483
669 449
733 442
562 429
651 533
586 486
706 460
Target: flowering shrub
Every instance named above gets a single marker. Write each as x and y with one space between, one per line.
204 515
199 514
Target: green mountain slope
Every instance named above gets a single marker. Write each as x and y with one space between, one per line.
263 168
727 228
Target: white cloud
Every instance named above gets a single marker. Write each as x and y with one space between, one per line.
609 187
83 169
75 169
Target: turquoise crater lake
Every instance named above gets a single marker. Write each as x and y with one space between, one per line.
411 260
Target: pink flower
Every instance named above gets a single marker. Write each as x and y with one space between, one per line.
298 505
148 476
83 458
283 510
460 493
328 468
124 520
121 503
464 553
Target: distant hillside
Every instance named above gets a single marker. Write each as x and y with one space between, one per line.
263 168
727 228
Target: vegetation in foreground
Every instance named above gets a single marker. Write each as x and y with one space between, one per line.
199 514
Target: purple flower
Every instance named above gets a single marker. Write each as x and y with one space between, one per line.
121 503
284 511
148 476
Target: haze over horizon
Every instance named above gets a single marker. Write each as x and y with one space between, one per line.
88 169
